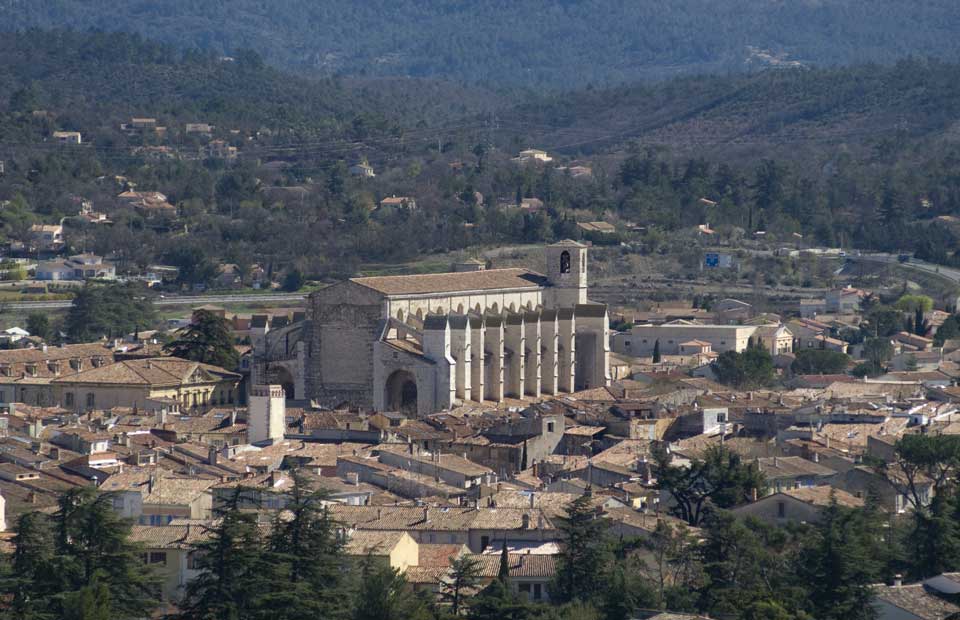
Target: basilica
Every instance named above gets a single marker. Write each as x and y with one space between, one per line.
424 343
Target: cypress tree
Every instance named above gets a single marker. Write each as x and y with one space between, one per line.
503 573
656 352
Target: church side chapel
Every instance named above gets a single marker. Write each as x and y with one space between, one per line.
425 343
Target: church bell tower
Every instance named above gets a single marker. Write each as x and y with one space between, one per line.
567 273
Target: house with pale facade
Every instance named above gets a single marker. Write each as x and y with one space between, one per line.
47 237
68 137
136 382
687 338
77 267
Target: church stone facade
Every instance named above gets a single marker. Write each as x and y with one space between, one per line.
425 343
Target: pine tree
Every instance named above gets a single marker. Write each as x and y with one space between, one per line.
837 568
206 340
384 594
464 574
92 545
497 602
92 602
231 565
620 599
305 555
584 554
29 581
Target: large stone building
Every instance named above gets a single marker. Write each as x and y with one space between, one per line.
423 343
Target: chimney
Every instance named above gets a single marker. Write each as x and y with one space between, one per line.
897 580
31 497
426 514
379 514
353 478
525 521
540 523
44 347
55 453
233 417
532 500
776 461
150 484
212 456
753 493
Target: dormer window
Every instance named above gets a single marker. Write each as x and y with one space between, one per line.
31 370
54 367
97 362
5 370
76 364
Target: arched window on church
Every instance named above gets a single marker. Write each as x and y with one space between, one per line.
565 262
400 315
460 309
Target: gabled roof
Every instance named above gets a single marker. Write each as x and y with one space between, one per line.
453 282
150 371
790 467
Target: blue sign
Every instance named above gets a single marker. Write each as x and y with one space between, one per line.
711 260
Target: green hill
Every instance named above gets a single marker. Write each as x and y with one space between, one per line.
763 114
561 43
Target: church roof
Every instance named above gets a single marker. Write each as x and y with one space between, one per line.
420 284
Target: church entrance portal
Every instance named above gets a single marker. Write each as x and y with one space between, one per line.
402 392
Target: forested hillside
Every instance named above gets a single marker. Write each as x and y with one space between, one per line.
773 112
102 79
561 43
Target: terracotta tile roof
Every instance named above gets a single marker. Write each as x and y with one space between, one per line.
65 352
422 575
454 518
168 536
363 542
820 496
916 600
152 371
586 431
791 467
438 556
521 565
167 489
453 282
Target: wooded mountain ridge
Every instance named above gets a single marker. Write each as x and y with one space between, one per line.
792 113
531 43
